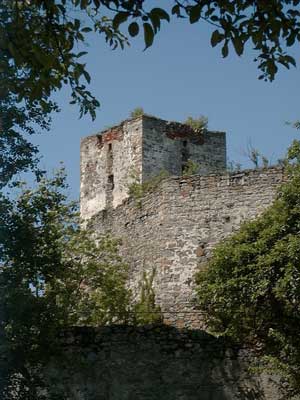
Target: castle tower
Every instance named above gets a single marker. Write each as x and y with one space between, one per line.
138 149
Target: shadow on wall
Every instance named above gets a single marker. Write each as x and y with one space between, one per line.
151 363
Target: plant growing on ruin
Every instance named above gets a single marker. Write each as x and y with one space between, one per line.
137 112
256 157
138 190
233 166
250 290
145 310
191 168
199 125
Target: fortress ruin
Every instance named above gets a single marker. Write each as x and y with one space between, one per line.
173 228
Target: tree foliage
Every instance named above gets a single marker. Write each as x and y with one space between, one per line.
42 43
250 290
52 275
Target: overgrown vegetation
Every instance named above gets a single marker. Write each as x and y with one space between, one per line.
190 168
233 166
137 190
53 274
250 290
43 42
137 112
199 124
146 310
256 157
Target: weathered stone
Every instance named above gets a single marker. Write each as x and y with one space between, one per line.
152 363
175 234
139 149
173 230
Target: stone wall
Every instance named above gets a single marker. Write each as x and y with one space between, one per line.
106 162
174 229
138 149
168 145
152 363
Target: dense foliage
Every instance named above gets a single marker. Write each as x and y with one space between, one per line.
250 290
52 275
42 43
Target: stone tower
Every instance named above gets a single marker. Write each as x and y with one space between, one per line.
138 149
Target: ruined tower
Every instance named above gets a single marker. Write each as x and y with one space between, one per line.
138 149
173 228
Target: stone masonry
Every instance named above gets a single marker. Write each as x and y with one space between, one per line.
152 363
137 150
172 229
175 227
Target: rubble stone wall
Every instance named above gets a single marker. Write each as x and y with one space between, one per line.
138 149
152 363
175 227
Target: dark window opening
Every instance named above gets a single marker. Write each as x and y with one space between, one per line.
109 147
184 143
110 181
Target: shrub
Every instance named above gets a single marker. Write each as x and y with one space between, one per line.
191 168
137 112
198 124
250 289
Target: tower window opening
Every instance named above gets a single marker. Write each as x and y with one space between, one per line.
110 181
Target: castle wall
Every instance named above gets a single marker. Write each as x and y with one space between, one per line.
168 145
152 363
138 149
106 163
175 227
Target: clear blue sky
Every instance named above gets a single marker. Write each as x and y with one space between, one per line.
179 76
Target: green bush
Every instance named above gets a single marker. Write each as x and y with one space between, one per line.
190 168
250 289
137 190
137 112
198 124
146 311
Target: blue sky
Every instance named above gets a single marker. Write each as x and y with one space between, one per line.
179 76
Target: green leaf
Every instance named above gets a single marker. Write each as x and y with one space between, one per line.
87 76
82 53
176 10
195 13
225 50
148 35
84 4
86 29
77 24
291 39
238 45
155 22
119 19
216 38
160 13
133 29
290 60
